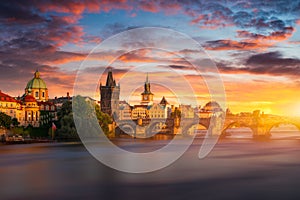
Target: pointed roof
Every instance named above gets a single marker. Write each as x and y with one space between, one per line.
110 79
147 86
147 78
163 101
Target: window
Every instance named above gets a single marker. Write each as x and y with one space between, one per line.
43 94
36 94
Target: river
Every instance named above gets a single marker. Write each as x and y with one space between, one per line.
237 168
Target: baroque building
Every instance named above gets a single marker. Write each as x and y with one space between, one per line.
110 93
11 106
33 108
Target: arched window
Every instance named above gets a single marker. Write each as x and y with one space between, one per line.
36 94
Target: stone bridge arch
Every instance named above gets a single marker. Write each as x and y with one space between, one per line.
297 125
152 125
239 124
189 123
121 127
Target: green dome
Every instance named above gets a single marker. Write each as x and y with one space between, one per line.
36 82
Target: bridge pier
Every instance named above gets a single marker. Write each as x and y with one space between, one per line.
261 132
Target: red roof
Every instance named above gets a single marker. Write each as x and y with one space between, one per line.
29 98
7 98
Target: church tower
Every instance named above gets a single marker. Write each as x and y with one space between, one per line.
110 94
147 96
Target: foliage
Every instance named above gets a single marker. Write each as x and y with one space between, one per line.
38 132
5 120
33 132
103 119
15 122
18 131
86 111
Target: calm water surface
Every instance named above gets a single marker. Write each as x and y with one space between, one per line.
237 168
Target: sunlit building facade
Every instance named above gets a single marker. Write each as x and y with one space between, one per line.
33 108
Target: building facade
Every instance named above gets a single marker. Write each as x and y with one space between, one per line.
11 106
124 111
33 108
110 93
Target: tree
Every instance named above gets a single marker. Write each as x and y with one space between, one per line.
103 119
65 126
15 122
89 116
86 111
5 120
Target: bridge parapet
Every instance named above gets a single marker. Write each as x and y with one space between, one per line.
260 125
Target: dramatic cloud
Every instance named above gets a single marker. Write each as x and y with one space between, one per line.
272 63
55 36
272 59
231 45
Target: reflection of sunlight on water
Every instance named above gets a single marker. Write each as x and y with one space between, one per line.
281 132
241 133
285 131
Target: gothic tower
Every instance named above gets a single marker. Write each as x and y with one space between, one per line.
110 96
147 96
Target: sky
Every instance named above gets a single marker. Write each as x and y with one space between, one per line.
254 44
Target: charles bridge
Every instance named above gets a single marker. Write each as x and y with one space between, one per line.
259 123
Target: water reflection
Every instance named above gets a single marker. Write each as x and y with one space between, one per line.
235 168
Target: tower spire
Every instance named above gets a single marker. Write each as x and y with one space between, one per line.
110 80
147 78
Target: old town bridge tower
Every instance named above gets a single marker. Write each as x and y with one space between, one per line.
110 93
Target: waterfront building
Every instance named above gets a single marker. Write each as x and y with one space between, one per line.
187 111
11 106
110 93
34 107
59 101
124 111
159 111
31 111
140 111
47 113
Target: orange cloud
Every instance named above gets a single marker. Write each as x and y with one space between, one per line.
252 41
79 7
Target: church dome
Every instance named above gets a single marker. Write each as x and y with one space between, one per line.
36 82
212 106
